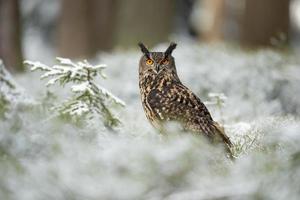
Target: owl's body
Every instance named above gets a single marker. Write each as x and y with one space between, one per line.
165 98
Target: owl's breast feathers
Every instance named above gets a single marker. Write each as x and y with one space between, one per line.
167 99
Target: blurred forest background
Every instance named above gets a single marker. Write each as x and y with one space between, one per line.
43 29
239 56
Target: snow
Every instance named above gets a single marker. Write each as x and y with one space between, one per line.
79 108
11 91
109 94
88 99
56 159
65 68
81 87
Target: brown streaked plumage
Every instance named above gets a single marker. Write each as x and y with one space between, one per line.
165 98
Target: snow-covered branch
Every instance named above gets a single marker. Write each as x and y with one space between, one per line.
87 98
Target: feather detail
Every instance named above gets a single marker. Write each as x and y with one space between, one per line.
221 132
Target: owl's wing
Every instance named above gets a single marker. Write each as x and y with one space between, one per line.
177 102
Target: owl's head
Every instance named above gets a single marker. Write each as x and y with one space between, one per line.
154 62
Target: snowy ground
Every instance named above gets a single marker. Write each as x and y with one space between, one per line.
43 158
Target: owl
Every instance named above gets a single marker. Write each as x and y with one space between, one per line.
166 99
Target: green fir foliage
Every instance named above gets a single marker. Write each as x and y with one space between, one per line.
87 99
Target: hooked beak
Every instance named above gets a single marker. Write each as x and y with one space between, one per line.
157 67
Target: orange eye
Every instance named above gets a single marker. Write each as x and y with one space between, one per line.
165 62
149 62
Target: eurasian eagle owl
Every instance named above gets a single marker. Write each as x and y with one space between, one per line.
165 98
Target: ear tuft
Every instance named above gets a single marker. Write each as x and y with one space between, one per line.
170 48
144 49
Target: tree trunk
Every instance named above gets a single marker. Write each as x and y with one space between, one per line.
10 35
266 23
103 23
141 20
85 27
214 22
74 31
